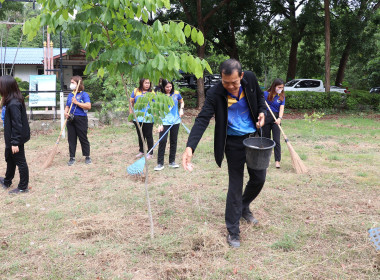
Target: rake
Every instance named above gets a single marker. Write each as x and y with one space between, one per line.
296 160
374 234
53 152
137 168
185 127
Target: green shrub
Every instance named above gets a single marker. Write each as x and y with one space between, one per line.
94 87
360 100
23 85
357 100
189 97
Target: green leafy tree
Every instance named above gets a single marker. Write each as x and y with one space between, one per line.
297 16
118 39
353 18
202 15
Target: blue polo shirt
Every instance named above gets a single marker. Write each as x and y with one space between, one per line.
173 116
3 113
239 117
136 94
82 97
275 103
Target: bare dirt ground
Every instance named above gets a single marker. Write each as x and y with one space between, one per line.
91 221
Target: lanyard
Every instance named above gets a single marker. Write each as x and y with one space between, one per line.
76 105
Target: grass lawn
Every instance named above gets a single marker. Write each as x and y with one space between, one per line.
91 222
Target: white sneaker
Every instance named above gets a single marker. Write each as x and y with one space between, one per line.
159 167
173 165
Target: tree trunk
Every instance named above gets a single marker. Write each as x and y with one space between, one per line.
234 50
327 45
200 82
201 54
343 63
292 66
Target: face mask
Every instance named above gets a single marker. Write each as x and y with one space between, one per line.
278 90
73 86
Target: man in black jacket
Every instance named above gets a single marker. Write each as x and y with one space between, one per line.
238 105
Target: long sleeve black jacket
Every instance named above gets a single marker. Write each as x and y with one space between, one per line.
216 104
16 126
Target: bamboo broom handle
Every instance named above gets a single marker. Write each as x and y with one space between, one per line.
64 124
274 117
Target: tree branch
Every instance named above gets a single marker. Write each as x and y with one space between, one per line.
187 12
376 6
214 10
300 4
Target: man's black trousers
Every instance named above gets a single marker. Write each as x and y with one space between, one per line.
237 202
78 129
269 126
147 130
19 160
173 144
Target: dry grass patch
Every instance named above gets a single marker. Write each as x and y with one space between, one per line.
91 222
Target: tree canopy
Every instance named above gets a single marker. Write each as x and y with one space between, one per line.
119 37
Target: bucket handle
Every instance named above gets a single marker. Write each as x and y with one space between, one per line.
252 135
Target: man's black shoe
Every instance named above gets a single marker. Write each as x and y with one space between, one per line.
17 191
4 186
88 160
247 215
233 241
71 161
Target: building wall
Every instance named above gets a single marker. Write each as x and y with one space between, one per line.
67 74
24 71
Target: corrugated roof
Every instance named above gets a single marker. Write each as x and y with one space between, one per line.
25 55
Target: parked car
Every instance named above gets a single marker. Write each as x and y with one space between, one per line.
190 81
310 85
339 89
375 90
211 80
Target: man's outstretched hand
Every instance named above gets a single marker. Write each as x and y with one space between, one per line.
186 159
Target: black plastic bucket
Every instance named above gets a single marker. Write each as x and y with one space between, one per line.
258 152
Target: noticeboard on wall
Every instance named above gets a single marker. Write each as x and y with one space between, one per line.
37 85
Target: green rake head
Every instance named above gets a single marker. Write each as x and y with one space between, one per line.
137 168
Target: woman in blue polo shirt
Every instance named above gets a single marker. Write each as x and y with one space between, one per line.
77 123
145 123
275 97
173 117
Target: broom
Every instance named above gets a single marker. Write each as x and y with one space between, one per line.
51 156
296 160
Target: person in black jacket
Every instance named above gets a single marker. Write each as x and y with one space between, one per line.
16 134
238 105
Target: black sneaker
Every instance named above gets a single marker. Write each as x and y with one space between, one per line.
233 241
88 160
247 215
71 161
4 186
17 191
